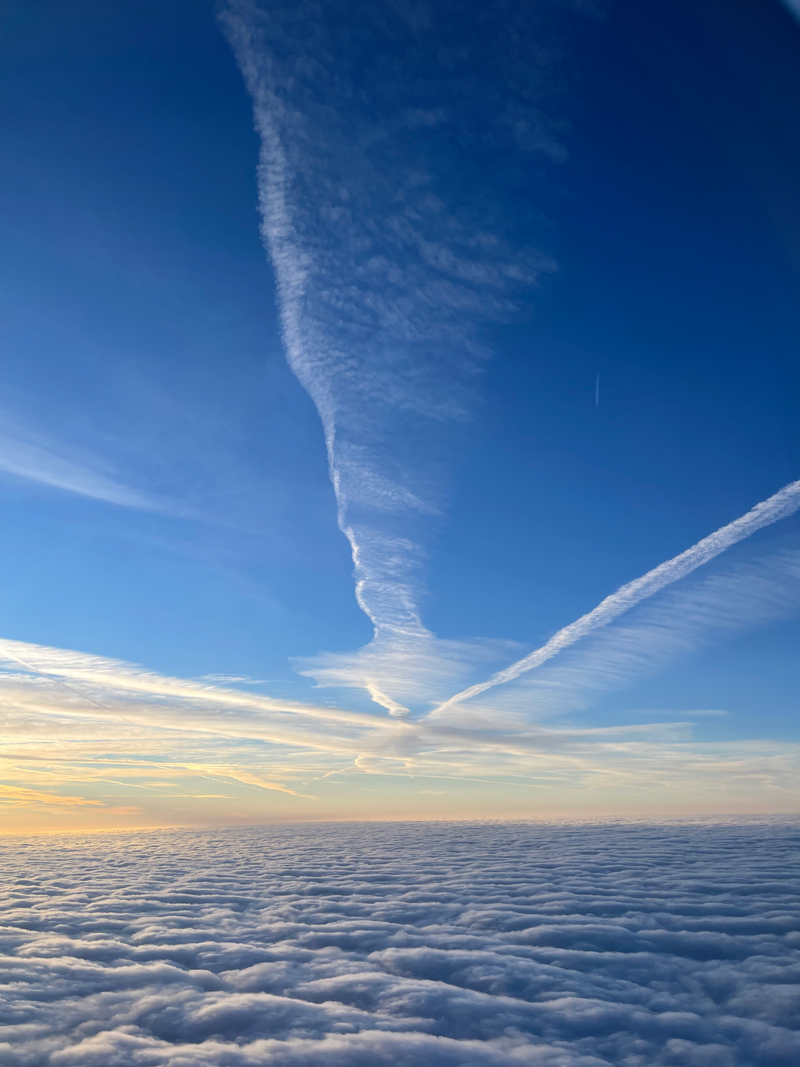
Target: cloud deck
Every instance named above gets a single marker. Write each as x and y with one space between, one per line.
432 944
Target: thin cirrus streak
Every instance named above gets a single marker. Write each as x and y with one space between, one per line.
780 505
389 230
177 734
72 719
89 676
28 455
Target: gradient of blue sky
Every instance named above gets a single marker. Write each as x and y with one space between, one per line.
166 491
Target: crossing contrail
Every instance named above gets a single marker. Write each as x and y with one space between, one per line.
783 503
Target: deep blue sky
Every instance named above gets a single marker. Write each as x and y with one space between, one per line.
141 344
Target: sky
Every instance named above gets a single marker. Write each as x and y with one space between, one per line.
399 411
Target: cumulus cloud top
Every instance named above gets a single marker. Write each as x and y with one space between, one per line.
432 944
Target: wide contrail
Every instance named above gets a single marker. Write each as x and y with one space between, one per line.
390 260
785 502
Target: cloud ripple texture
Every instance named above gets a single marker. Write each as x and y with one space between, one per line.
466 945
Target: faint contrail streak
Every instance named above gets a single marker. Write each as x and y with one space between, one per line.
783 503
597 391
54 678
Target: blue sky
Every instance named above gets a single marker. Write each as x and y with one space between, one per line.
467 220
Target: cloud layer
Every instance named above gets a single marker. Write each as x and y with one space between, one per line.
468 945
105 742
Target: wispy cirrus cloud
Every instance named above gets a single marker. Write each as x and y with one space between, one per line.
17 795
232 679
72 721
387 265
26 453
175 471
74 725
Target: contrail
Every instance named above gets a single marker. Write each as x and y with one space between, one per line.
783 503
5 650
597 391
389 260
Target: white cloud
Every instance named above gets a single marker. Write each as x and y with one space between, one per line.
418 668
469 945
233 679
386 269
780 505
79 726
676 623
30 455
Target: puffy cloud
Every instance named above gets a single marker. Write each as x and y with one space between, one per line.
467 945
